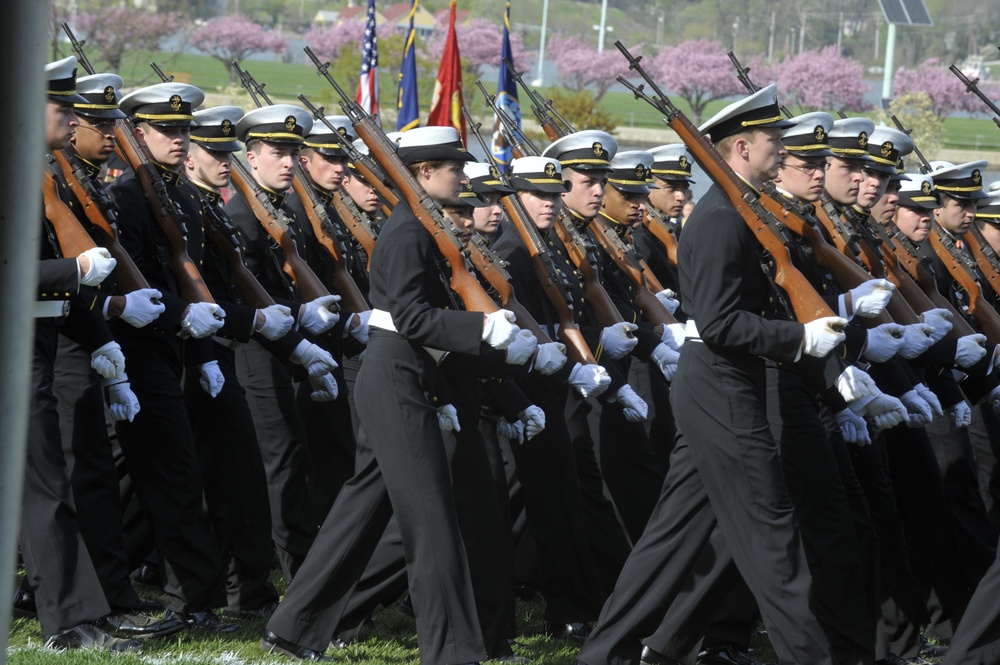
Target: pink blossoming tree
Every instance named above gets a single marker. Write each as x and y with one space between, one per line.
229 38
581 67
698 71
820 80
112 30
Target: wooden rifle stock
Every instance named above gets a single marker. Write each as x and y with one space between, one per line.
127 274
656 224
579 251
356 224
272 220
166 214
955 264
223 235
985 257
73 239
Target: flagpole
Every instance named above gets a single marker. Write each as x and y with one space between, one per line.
541 47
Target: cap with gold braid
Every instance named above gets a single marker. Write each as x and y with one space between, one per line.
630 170
60 80
485 178
885 146
849 138
469 197
918 192
425 144
963 182
809 136
328 143
757 111
216 128
166 104
100 92
587 150
672 162
538 174
277 123
989 208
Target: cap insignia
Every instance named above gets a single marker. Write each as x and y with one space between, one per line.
109 94
175 102
342 132
227 127
598 149
819 134
925 187
550 170
290 123
683 161
887 148
863 139
977 177
494 172
640 172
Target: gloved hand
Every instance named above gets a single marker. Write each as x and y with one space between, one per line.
869 298
99 263
940 319
853 384
917 338
930 398
589 380
212 379
278 320
324 388
511 431
961 414
522 348
550 358
993 399
202 319
448 418
617 341
360 331
673 335
883 342
666 360
140 310
319 315
122 402
885 410
314 358
917 407
533 419
970 350
820 336
108 361
633 406
668 299
499 329
853 427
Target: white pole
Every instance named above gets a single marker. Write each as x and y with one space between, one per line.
600 30
541 46
890 65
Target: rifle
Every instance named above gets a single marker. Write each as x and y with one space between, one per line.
971 86
322 226
426 210
520 145
224 236
553 124
743 74
78 51
656 223
97 207
73 240
958 267
806 303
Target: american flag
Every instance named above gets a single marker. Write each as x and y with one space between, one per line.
367 96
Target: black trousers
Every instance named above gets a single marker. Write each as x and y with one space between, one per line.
67 589
985 435
402 466
281 435
725 489
977 639
235 486
92 471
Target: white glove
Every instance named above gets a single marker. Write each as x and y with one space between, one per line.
918 408
314 358
211 378
853 427
101 265
324 388
885 410
853 384
666 360
634 407
202 319
869 298
533 419
940 319
930 398
970 350
108 361
319 315
961 414
522 348
511 431
550 358
122 402
140 310
883 342
917 338
993 399
278 320
360 332
666 298
448 418
499 329
820 336
673 335
589 380
617 341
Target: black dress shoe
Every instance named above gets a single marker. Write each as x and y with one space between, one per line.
24 604
148 575
932 652
88 636
263 612
724 655
653 657
568 631
338 643
274 644
207 621
147 605
139 625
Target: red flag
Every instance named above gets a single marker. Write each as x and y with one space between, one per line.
446 105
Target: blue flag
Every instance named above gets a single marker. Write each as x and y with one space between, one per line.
506 98
406 94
